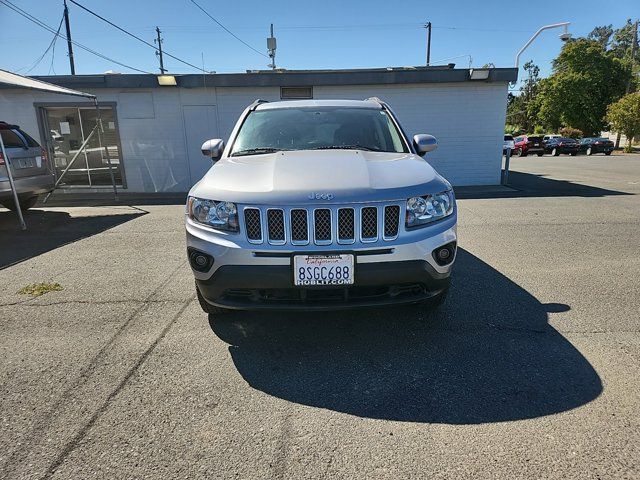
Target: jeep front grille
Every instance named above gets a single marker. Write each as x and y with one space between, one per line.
299 227
346 225
322 226
391 221
369 228
275 222
253 224
342 225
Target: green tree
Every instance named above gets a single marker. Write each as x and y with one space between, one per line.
585 80
622 42
602 35
624 117
518 111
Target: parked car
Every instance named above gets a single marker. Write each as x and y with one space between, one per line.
596 145
508 143
525 145
30 167
320 204
558 145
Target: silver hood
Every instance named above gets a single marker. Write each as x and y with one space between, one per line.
292 177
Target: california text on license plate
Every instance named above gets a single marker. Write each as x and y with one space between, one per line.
323 269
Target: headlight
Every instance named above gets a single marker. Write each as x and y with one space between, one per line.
427 209
219 215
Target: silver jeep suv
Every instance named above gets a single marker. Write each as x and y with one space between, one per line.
320 204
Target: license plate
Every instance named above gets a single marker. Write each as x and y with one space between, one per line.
536 144
323 269
26 163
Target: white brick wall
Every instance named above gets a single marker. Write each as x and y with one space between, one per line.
466 118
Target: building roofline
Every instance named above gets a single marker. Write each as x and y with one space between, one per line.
286 78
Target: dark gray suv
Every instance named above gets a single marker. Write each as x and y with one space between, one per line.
32 172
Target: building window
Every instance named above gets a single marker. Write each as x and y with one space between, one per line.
296 93
72 134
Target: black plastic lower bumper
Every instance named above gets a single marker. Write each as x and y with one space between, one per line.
249 287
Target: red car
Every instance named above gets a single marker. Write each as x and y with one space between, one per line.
525 145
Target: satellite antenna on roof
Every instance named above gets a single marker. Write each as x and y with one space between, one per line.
271 46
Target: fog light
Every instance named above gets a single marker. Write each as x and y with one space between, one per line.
199 261
445 254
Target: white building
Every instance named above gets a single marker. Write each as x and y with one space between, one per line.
154 132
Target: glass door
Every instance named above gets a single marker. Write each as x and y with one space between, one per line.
68 129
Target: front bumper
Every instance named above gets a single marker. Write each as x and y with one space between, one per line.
248 287
245 276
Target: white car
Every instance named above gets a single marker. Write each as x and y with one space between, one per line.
508 143
320 205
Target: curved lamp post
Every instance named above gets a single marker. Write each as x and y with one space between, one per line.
564 36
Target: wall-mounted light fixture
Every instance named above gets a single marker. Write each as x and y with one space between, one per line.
478 73
167 81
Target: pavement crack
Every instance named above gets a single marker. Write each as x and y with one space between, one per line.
71 445
84 374
90 302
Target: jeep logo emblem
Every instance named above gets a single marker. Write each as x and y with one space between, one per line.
320 196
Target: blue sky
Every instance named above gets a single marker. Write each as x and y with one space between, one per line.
311 35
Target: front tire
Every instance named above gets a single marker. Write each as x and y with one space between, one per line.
555 152
607 153
207 307
25 203
589 151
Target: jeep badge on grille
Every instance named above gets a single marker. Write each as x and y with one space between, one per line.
320 196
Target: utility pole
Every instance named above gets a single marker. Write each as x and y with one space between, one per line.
159 51
69 44
634 48
271 46
428 28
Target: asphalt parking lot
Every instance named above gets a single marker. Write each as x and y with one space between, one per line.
529 370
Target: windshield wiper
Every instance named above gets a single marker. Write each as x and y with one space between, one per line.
256 151
348 147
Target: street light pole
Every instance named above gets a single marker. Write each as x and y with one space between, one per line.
428 28
565 36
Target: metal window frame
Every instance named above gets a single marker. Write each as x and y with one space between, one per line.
42 122
283 88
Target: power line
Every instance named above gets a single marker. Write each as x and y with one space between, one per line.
227 30
41 24
51 44
132 35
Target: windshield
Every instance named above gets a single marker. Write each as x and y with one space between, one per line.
265 131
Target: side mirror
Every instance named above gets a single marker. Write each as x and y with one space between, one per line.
424 143
213 148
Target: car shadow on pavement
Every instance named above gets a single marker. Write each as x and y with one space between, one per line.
523 184
48 230
487 355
